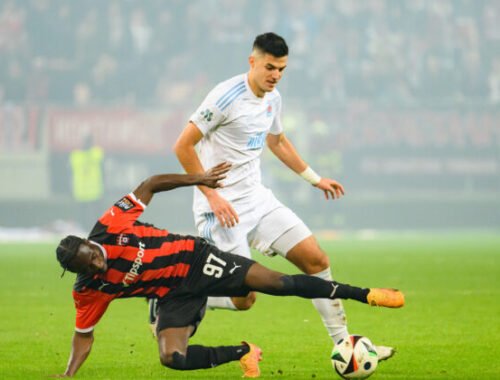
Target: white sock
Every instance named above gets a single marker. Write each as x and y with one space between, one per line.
332 312
220 303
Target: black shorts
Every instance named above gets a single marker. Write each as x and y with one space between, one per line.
213 273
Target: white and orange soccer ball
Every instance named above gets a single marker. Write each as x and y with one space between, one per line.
354 357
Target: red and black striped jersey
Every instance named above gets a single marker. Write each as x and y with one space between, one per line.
142 260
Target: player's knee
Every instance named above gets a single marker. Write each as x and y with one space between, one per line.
323 262
244 303
166 359
173 360
309 257
316 263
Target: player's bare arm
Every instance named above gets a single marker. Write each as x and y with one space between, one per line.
81 346
286 152
185 150
164 182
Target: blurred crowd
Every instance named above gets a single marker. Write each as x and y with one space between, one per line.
157 52
389 96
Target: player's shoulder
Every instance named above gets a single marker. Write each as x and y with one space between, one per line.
235 81
225 93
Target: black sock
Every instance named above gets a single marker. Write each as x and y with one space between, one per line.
198 357
348 292
313 287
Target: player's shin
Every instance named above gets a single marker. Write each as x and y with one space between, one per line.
198 357
332 312
312 287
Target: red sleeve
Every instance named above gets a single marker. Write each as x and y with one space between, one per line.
90 307
123 214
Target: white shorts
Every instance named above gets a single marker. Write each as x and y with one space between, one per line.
261 224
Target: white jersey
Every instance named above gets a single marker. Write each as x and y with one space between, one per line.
235 123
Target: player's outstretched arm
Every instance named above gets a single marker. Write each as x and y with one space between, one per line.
164 182
286 152
82 343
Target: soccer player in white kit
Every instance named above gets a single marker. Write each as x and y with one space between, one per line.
234 122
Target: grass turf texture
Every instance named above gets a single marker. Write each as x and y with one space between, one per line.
449 328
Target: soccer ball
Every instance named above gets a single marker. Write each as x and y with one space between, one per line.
354 357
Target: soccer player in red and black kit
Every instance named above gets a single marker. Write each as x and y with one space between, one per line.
123 257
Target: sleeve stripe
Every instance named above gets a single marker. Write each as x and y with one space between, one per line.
132 195
228 94
233 97
88 329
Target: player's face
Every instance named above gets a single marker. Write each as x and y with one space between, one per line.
90 259
266 71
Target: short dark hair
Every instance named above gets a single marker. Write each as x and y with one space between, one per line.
66 251
271 43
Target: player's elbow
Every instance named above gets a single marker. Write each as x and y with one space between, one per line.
178 147
275 141
148 185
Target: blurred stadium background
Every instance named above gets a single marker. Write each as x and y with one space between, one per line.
398 100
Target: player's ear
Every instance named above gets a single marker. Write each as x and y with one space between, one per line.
251 61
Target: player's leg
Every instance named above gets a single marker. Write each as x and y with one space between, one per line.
176 353
297 244
173 344
222 273
283 232
267 281
311 259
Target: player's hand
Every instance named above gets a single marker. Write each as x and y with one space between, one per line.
213 176
331 188
224 212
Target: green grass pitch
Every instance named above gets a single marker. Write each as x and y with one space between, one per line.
449 328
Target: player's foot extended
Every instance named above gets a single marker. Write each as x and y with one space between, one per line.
385 297
384 352
249 362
